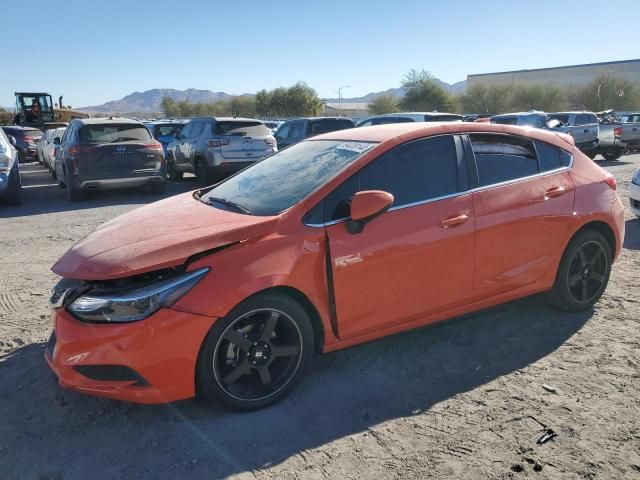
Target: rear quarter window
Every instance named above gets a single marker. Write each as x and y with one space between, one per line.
329 125
501 158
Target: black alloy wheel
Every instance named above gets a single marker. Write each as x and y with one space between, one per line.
587 272
255 355
583 273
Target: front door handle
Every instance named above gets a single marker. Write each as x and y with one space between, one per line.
554 192
454 221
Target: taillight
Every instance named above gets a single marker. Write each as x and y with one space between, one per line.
55 152
78 149
270 141
29 139
218 142
153 146
617 132
611 181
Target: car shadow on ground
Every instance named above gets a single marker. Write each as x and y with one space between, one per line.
41 194
611 163
632 234
344 393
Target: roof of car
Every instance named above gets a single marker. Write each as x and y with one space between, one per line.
319 118
413 130
105 121
227 119
574 112
18 127
518 114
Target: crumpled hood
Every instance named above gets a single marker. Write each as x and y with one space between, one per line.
159 235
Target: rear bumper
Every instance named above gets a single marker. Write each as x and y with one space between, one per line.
118 182
634 198
588 146
150 361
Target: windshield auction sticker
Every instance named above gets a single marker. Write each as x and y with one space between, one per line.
356 147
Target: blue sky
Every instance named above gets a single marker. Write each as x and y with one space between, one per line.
116 47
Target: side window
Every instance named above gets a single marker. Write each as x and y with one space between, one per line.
549 156
196 129
501 158
366 123
68 134
297 130
283 131
186 131
582 119
413 172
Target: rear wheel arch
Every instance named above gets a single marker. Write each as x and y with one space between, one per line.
603 229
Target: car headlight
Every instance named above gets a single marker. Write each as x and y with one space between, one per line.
636 177
136 304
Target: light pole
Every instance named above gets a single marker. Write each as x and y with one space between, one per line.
340 99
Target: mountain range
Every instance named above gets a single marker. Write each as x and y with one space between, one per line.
149 101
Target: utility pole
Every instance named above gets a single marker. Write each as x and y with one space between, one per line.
340 99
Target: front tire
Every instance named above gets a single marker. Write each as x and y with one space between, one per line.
583 273
255 355
172 173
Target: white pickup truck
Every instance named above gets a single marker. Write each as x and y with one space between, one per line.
582 126
630 123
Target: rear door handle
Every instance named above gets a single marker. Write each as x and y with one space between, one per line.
554 192
454 221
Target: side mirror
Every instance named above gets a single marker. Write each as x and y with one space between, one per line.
56 141
365 206
12 140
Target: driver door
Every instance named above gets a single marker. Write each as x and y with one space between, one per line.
416 259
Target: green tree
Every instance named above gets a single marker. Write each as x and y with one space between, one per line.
385 103
422 93
486 99
263 103
6 117
606 91
548 98
169 107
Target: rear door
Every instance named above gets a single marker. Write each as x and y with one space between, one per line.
586 128
242 140
115 148
524 211
631 129
414 260
190 143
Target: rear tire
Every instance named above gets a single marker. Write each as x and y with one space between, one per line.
74 194
583 273
255 355
202 175
591 155
612 156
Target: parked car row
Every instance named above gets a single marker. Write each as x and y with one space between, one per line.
10 184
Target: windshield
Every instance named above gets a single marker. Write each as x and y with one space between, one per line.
283 179
114 133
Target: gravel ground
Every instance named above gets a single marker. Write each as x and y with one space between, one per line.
463 399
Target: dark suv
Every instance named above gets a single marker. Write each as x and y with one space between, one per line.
293 131
26 140
101 154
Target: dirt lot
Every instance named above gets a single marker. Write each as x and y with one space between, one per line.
465 399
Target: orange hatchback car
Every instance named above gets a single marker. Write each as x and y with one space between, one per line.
340 239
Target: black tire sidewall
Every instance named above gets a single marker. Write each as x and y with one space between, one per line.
561 296
206 384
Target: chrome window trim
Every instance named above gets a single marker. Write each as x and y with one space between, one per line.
458 194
